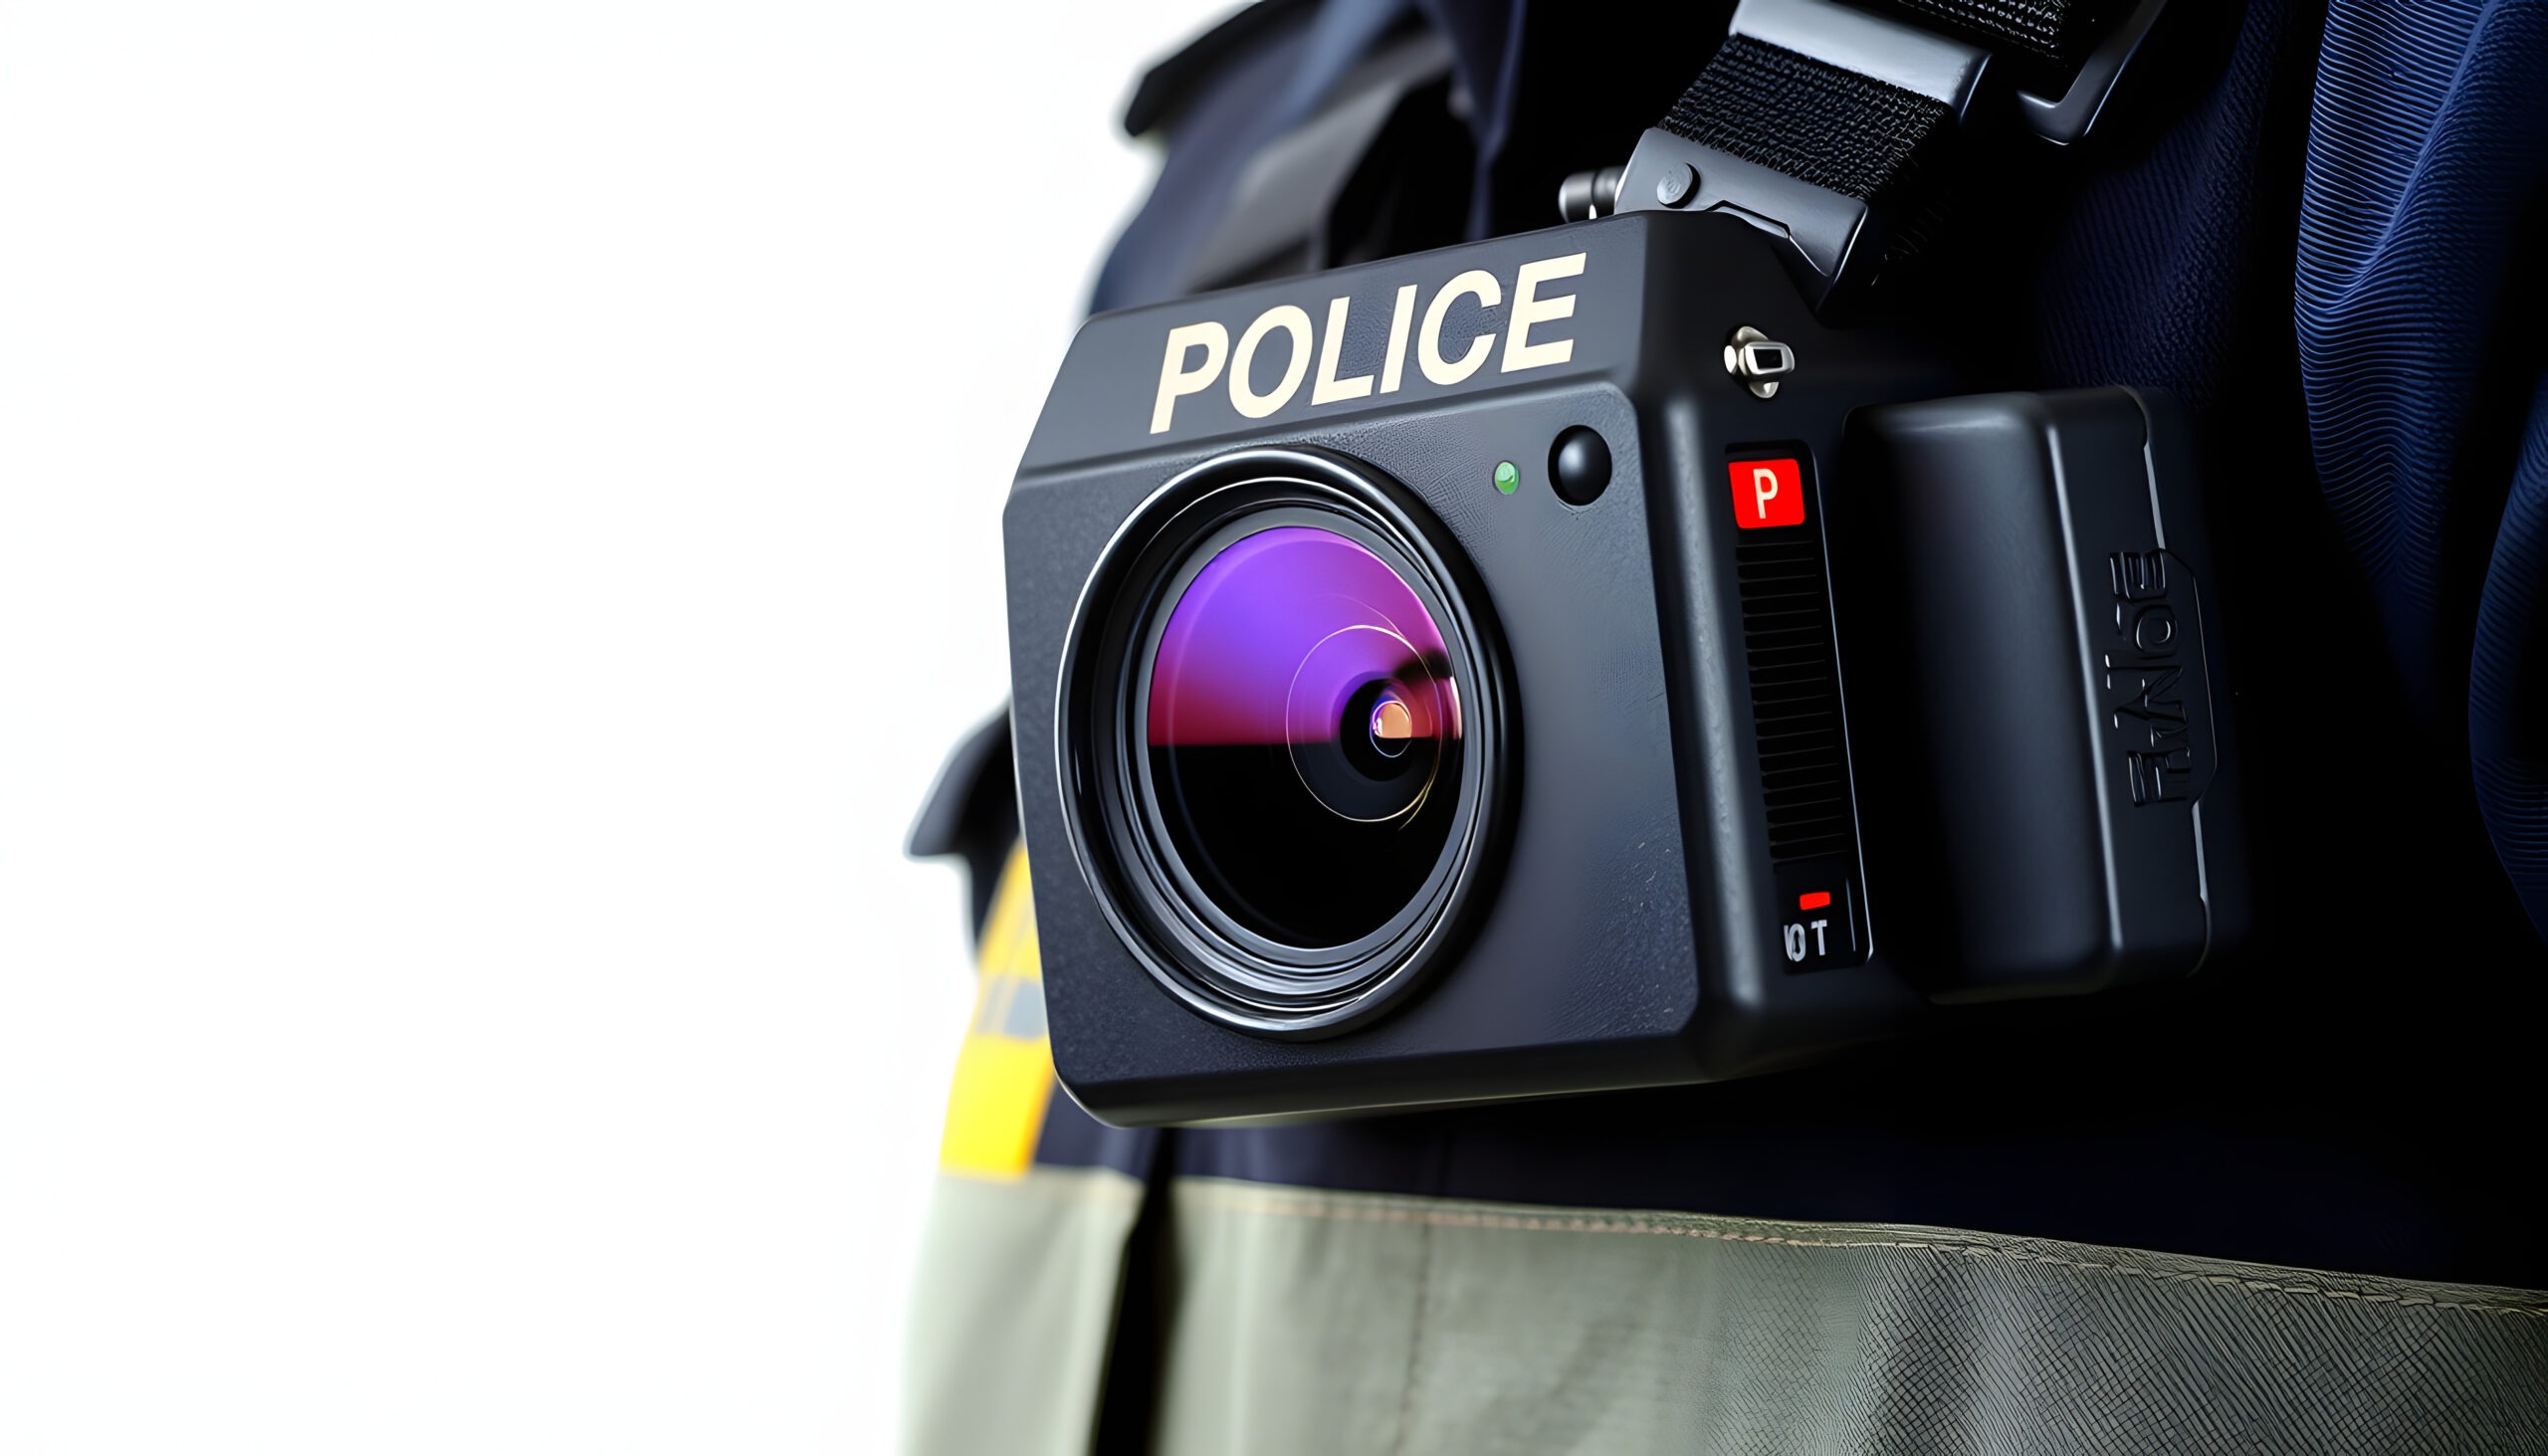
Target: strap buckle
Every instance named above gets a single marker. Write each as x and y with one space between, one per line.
1943 68
1939 67
1832 236
2071 117
1837 240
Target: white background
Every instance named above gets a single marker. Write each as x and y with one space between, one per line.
497 526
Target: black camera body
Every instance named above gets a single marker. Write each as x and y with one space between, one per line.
1561 662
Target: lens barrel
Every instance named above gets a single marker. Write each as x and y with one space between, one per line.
1281 716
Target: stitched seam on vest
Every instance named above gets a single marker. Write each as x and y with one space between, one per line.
1296 1207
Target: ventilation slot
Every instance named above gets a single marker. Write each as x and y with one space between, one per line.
1795 694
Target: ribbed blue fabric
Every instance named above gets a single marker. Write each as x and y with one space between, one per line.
2508 677
2427 145
2145 277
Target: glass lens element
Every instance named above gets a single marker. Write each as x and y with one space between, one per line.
1303 735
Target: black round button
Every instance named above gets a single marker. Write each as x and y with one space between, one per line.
1579 464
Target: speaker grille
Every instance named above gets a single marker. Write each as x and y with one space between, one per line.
1796 694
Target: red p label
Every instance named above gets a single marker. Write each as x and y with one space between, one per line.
1767 492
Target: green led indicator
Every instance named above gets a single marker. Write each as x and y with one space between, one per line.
1507 479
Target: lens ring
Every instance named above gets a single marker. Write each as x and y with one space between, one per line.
1391 721
1413 719
1354 895
1265 972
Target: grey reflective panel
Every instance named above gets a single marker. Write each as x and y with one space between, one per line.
1300 1319
1012 1309
1313 1320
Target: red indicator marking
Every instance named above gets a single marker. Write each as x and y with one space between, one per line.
1767 492
1816 901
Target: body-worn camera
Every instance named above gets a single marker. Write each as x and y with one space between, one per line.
1562 662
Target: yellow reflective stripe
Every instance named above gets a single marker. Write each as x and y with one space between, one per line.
1004 1070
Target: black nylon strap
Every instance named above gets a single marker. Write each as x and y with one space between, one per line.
2056 32
1838 129
1850 135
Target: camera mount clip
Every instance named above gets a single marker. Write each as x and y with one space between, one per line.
1830 127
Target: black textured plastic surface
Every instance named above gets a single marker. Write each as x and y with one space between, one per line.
2033 600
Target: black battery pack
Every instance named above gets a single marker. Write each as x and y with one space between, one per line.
2027 595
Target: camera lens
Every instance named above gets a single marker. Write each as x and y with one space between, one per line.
1281 724
1301 715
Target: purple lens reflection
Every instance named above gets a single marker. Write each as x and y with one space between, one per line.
1364 693
1250 621
1302 713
